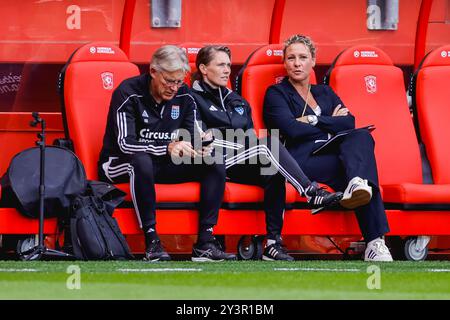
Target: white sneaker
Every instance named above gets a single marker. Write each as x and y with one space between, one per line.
376 250
357 193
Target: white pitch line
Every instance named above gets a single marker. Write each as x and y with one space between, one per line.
161 270
19 270
316 269
438 270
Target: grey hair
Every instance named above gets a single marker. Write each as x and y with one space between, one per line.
299 38
170 58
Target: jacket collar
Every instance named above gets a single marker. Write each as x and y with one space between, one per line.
217 96
295 97
146 90
197 87
287 85
202 86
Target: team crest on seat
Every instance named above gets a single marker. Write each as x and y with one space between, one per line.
175 113
371 83
108 80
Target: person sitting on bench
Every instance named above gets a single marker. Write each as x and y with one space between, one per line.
246 157
142 144
307 114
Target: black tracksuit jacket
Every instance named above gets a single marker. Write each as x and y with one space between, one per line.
136 123
222 108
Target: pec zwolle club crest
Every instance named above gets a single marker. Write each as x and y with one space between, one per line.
239 110
371 84
175 112
108 80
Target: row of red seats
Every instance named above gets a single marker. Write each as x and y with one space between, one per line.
401 183
96 69
373 89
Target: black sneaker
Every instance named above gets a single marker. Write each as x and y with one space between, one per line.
156 252
318 197
210 251
276 251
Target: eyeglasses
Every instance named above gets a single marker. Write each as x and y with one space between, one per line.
171 83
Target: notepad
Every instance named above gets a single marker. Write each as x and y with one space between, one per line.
337 139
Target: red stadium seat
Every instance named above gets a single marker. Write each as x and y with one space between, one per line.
373 89
90 77
262 69
431 97
191 49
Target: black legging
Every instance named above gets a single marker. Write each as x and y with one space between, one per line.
248 163
143 172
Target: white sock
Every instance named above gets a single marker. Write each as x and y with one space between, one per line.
270 242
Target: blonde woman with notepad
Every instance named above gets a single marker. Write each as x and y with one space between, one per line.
308 117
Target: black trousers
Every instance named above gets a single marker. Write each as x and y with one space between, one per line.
268 164
354 157
142 171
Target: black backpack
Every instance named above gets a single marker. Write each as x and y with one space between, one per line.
95 234
65 179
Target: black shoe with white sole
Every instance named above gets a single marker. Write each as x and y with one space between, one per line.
318 197
276 252
210 251
156 252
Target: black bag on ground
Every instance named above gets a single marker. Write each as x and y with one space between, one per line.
94 232
65 178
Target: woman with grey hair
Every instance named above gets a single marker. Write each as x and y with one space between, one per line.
142 140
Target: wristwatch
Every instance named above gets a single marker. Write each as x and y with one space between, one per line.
312 119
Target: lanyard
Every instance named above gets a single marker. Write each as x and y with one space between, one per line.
306 100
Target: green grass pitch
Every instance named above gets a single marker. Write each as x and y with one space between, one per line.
251 280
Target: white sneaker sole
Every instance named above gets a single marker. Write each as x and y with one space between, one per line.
156 260
357 199
381 259
267 258
200 259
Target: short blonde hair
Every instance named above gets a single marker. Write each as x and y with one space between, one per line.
299 38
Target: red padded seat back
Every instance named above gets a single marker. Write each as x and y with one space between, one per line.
263 68
92 74
433 110
191 49
373 89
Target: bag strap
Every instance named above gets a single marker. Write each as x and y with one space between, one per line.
119 235
76 247
100 209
